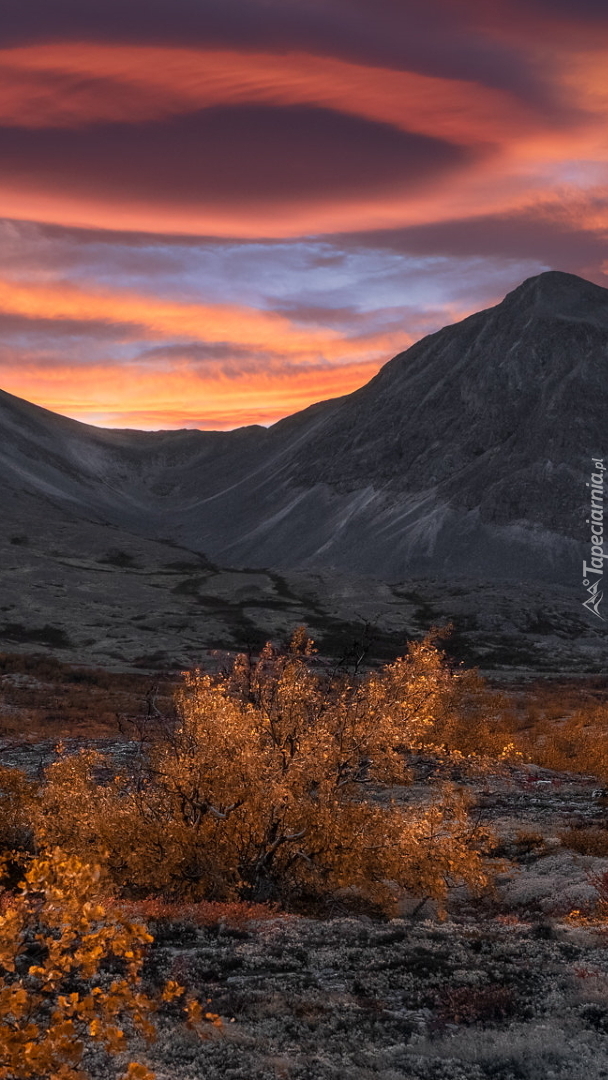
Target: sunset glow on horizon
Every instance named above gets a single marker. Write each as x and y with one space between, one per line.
217 217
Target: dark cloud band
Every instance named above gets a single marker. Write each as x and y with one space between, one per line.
529 234
435 38
225 154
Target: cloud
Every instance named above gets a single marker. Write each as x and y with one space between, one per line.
162 138
75 85
152 398
436 38
197 323
202 351
530 234
219 213
161 319
20 326
515 14
225 154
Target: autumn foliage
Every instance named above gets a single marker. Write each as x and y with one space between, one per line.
282 785
70 974
275 786
574 743
55 935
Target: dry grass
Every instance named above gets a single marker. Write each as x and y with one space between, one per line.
589 841
203 913
561 726
42 698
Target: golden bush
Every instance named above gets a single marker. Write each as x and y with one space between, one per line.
55 935
70 974
17 797
586 841
274 786
574 743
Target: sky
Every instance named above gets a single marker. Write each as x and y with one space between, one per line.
216 212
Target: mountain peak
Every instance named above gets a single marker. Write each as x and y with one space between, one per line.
562 295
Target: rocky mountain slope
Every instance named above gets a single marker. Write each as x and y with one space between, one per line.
466 455
462 463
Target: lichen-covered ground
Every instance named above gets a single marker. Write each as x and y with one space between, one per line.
507 988
466 999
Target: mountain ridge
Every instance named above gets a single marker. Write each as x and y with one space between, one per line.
465 456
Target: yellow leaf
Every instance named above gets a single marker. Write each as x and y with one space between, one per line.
172 991
138 1072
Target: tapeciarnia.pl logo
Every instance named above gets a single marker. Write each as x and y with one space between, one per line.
593 572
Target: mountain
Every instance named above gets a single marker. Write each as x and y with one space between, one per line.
450 486
467 455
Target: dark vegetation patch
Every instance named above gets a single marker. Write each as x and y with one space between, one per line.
189 586
157 660
245 634
355 643
426 614
512 652
477 1005
117 557
53 636
185 566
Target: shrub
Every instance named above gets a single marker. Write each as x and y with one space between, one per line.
600 883
53 636
477 1005
528 841
590 841
17 799
54 937
260 793
70 974
576 743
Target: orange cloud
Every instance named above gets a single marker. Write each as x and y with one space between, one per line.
71 85
162 319
142 82
130 397
298 366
